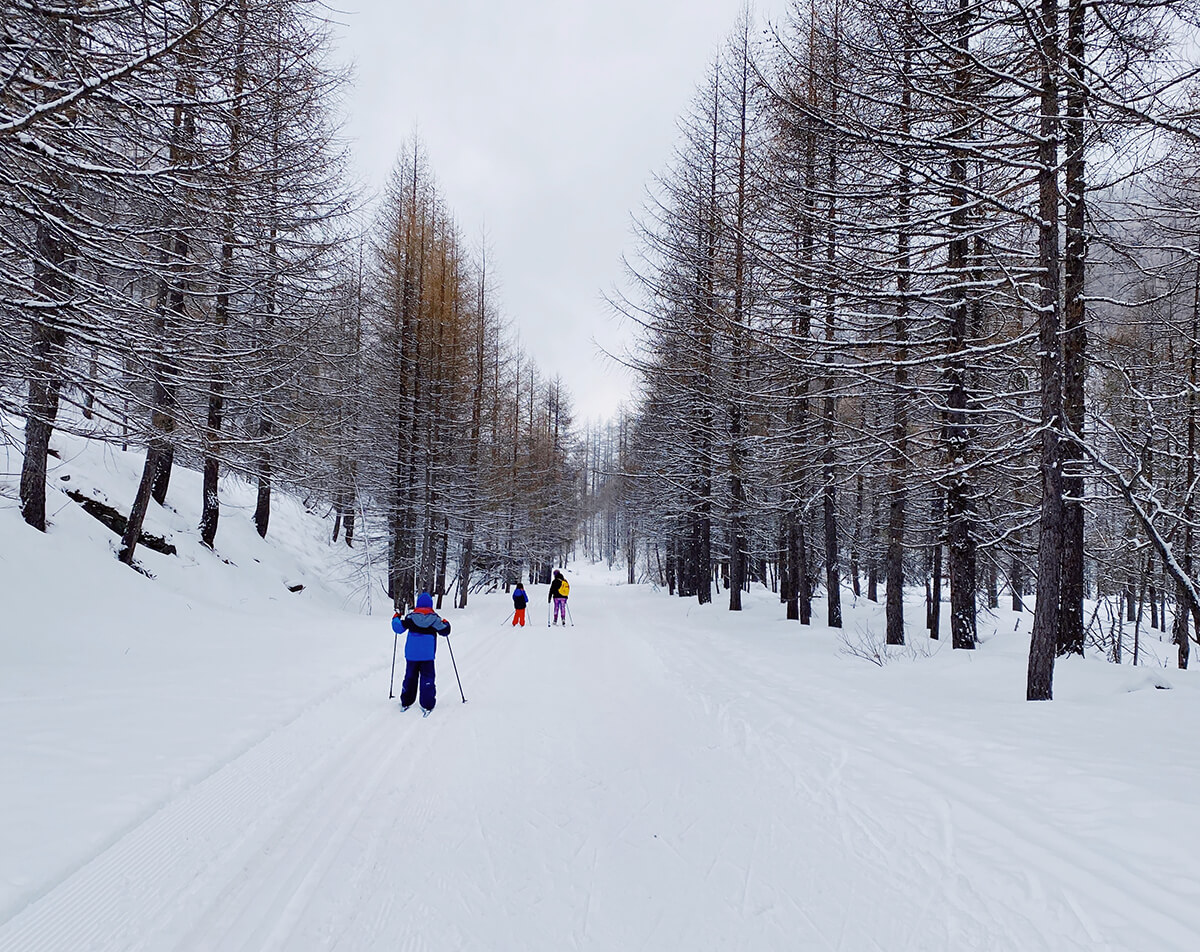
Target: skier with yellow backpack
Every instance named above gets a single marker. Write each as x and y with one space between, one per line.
559 590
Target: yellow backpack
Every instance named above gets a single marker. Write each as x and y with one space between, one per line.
564 589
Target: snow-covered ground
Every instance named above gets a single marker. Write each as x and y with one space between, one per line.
207 761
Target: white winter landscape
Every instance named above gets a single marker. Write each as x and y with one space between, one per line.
207 761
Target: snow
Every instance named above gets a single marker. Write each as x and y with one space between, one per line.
205 760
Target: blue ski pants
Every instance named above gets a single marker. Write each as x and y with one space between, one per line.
418 672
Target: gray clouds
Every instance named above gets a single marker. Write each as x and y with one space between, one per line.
544 122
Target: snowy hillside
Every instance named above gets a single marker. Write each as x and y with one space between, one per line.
118 690
207 760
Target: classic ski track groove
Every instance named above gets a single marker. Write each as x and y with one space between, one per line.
264 896
1012 830
235 862
158 861
193 864
11 914
204 878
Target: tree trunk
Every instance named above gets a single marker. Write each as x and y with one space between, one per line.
210 512
1180 630
959 505
1070 623
262 504
1044 639
1017 581
898 464
49 264
45 379
156 471
934 602
790 571
141 501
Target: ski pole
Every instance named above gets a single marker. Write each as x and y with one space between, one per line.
567 606
510 614
548 609
392 682
456 677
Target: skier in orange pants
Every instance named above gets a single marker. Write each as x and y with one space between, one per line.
520 600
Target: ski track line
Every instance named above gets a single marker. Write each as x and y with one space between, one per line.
1039 842
102 902
262 905
108 842
361 904
105 903
264 902
883 840
217 898
1098 875
751 897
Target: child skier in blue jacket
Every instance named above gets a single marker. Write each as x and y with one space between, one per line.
423 625
520 600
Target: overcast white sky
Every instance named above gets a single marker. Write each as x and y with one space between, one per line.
544 122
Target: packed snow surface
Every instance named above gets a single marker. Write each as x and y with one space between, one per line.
207 761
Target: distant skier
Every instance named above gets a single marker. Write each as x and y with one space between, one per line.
559 590
520 600
423 625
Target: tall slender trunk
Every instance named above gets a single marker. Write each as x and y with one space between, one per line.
1017 582
156 471
439 581
856 535
266 425
959 503
1151 590
52 252
210 511
709 225
937 532
898 463
802 330
873 552
1040 681
790 575
737 540
403 329
163 402
833 587
1070 622
1180 634
45 377
467 560
89 387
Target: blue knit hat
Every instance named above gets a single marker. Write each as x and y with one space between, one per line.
424 600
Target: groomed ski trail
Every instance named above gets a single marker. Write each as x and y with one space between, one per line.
609 787
991 871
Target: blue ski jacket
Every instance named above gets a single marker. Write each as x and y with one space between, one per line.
423 626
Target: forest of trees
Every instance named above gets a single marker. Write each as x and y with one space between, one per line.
918 306
186 273
918 303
